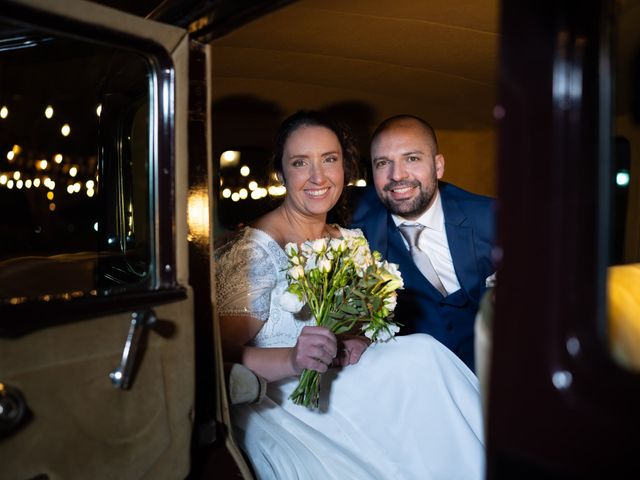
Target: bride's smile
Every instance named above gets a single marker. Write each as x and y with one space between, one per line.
317 193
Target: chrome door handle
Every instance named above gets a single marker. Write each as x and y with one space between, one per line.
122 376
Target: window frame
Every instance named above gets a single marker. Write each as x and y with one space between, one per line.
21 318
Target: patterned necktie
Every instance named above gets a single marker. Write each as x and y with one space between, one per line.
411 233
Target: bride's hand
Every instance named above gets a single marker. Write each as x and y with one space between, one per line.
315 350
351 348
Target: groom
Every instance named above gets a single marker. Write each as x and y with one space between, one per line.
440 235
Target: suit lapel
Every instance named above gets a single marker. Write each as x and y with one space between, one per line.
460 239
378 234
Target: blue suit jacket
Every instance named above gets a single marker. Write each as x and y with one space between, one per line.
469 223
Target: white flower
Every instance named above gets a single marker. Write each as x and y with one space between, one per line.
291 249
319 245
296 272
389 273
393 269
362 257
337 245
387 333
324 265
381 335
390 302
290 302
368 330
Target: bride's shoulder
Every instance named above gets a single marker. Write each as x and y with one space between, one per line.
250 258
246 241
349 232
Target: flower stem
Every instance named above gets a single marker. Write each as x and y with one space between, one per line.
307 393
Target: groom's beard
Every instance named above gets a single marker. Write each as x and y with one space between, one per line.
413 207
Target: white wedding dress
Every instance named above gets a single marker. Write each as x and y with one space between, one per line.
409 409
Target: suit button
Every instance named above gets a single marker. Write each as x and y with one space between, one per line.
449 327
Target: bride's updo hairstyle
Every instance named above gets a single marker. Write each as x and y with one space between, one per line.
350 162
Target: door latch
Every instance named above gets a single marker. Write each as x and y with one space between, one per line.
13 409
122 375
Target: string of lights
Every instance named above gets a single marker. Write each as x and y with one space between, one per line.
29 169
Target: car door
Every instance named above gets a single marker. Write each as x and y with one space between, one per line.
563 393
96 310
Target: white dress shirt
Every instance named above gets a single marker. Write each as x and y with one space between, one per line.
433 242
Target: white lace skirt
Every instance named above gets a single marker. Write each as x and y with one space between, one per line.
410 409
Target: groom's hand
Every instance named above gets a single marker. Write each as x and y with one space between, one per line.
315 350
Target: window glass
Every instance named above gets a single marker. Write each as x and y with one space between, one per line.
75 187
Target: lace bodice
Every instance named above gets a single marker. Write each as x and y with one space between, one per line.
251 279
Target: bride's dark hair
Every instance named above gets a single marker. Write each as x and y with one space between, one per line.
350 161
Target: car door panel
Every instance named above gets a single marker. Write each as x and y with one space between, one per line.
78 423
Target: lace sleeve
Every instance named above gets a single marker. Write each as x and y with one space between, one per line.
245 278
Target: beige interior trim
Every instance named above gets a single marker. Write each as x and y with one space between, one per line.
166 35
180 56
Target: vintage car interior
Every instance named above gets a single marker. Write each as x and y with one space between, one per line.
134 135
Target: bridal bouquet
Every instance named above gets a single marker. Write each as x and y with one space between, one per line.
345 285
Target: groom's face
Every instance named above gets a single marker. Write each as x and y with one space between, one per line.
406 168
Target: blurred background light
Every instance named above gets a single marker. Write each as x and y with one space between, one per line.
622 178
198 215
230 157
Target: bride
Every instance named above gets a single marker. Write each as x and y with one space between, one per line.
404 409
